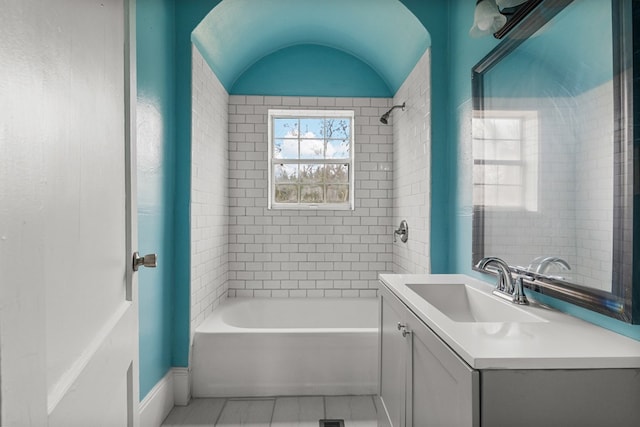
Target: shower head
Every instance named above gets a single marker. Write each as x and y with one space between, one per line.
385 117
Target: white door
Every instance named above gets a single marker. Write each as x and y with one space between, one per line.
68 303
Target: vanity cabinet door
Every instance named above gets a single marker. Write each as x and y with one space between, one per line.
442 390
393 357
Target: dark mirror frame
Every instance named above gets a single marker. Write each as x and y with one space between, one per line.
623 301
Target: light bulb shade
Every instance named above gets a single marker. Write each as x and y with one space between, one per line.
502 4
487 19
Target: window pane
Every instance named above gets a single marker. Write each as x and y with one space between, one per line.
499 128
484 149
509 175
509 196
312 173
337 173
490 195
286 174
311 162
508 150
312 128
337 193
478 195
311 194
337 149
311 149
285 128
507 128
478 174
285 149
286 193
490 175
477 148
477 127
337 128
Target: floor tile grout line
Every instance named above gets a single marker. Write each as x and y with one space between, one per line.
273 410
224 405
324 407
269 420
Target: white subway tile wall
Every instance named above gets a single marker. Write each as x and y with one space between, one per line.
240 248
412 169
574 192
594 197
307 253
515 234
209 191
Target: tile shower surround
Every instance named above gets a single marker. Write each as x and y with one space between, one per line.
308 253
240 248
412 169
209 192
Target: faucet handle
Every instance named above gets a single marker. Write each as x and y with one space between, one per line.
518 291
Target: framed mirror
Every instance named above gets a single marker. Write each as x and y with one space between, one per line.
553 154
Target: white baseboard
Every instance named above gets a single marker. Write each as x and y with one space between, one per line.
172 389
181 386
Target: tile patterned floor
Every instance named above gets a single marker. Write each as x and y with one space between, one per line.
356 411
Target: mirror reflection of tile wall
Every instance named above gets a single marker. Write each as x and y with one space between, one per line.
564 197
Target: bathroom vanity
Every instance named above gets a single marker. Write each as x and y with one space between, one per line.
453 354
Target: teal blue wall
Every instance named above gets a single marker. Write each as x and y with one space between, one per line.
187 15
565 59
434 15
156 147
309 70
468 52
164 70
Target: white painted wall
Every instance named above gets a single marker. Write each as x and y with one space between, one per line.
209 191
412 169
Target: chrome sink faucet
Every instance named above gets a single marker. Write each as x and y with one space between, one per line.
505 287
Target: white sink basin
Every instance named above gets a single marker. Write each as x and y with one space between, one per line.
462 303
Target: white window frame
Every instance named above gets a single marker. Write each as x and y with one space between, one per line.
527 163
318 114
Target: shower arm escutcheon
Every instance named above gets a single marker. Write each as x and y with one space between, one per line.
403 231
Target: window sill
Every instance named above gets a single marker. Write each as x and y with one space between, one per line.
301 207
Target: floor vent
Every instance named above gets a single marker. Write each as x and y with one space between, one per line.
331 423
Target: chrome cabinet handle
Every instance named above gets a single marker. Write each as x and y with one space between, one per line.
148 260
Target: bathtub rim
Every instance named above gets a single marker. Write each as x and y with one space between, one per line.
215 323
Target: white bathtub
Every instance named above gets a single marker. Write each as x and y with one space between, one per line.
287 346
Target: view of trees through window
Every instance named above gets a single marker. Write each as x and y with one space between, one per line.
311 159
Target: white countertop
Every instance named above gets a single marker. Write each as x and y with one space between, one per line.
559 342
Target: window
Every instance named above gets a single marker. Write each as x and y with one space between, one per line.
505 160
311 159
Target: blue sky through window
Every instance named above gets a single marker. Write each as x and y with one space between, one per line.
312 138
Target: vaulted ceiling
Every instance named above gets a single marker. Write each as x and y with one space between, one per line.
383 34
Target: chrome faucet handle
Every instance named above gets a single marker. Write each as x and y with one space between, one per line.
403 231
518 291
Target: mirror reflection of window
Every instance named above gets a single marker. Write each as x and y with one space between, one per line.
505 160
